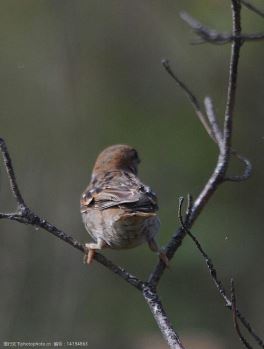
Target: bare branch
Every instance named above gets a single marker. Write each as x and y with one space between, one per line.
29 217
26 216
176 241
209 108
189 206
11 216
212 36
194 101
11 175
161 318
252 8
232 81
218 175
223 139
222 291
247 171
218 283
218 136
208 261
170 249
234 312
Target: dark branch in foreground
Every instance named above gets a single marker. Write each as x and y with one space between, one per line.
212 36
234 312
218 283
232 81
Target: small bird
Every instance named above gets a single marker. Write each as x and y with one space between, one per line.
117 209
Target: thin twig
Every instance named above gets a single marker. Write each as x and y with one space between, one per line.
247 171
232 81
214 37
11 175
252 8
234 312
218 175
194 101
208 261
218 283
219 137
189 206
209 108
210 187
212 128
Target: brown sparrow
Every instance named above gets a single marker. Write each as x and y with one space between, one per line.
118 210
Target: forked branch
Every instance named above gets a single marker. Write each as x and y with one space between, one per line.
229 303
193 100
26 216
234 312
222 136
213 36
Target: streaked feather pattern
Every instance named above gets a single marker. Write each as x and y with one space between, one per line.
119 188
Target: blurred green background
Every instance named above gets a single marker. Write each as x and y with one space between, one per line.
77 76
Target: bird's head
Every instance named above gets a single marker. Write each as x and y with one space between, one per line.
117 157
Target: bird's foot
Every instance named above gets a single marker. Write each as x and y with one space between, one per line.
161 253
88 254
90 250
163 257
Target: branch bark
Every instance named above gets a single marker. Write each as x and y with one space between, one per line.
159 314
213 36
234 312
252 8
223 139
229 303
25 215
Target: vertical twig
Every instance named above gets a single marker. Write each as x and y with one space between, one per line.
232 81
218 283
193 100
11 175
234 312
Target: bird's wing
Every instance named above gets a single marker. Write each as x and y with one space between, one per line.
123 190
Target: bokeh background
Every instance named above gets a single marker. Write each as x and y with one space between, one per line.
77 76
